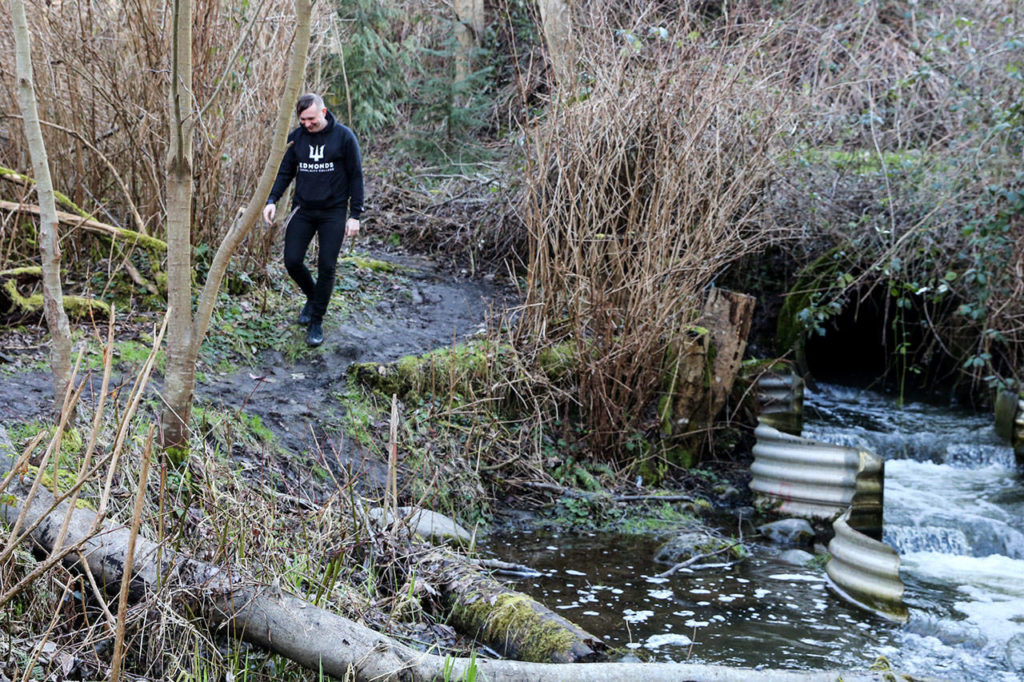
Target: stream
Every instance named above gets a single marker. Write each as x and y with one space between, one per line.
954 510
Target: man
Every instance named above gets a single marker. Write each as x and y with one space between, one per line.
324 160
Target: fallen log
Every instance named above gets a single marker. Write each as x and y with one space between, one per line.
313 637
76 306
118 236
95 226
510 622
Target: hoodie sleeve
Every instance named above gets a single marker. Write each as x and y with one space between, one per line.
285 172
354 170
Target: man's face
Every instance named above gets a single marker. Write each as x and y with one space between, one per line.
313 119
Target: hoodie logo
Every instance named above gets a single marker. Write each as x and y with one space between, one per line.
316 153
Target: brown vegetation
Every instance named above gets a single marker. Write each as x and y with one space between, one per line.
104 94
876 144
635 198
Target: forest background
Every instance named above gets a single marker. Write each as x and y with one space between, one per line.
857 166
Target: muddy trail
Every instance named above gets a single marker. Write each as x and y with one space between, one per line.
301 400
297 392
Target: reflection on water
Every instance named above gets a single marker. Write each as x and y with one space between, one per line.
759 612
954 507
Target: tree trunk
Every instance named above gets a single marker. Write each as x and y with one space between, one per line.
179 374
727 316
186 333
555 18
469 26
49 246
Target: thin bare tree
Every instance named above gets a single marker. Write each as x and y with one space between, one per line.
49 245
188 327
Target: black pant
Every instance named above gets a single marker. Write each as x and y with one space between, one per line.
329 226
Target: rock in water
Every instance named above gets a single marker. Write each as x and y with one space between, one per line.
796 557
688 545
788 532
1015 653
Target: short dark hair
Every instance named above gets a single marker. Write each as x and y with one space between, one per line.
310 99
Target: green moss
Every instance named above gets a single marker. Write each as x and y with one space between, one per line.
255 426
371 264
34 270
812 282
75 306
557 359
681 456
79 306
66 479
511 618
864 161
654 516
231 428
177 455
463 370
360 412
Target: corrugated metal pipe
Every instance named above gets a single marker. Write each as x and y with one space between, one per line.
801 477
865 571
780 401
1009 415
810 479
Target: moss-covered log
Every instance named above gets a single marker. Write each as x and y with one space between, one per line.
464 368
118 236
510 622
372 264
76 306
123 235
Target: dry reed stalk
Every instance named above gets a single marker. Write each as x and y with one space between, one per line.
636 198
126 578
71 398
45 637
392 501
59 552
17 469
135 397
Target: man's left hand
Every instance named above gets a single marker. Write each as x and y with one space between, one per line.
351 228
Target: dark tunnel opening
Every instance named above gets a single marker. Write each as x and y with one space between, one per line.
875 343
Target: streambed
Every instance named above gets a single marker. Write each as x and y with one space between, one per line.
954 508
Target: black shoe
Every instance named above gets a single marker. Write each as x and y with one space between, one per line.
306 316
315 335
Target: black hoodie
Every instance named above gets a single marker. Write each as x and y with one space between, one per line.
327 169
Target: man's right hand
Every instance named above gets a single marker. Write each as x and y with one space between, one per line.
269 211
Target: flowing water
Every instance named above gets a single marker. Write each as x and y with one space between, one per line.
954 509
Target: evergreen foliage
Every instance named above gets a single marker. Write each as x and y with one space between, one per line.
370 68
445 113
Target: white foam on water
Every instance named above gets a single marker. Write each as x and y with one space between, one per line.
992 588
631 616
656 641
